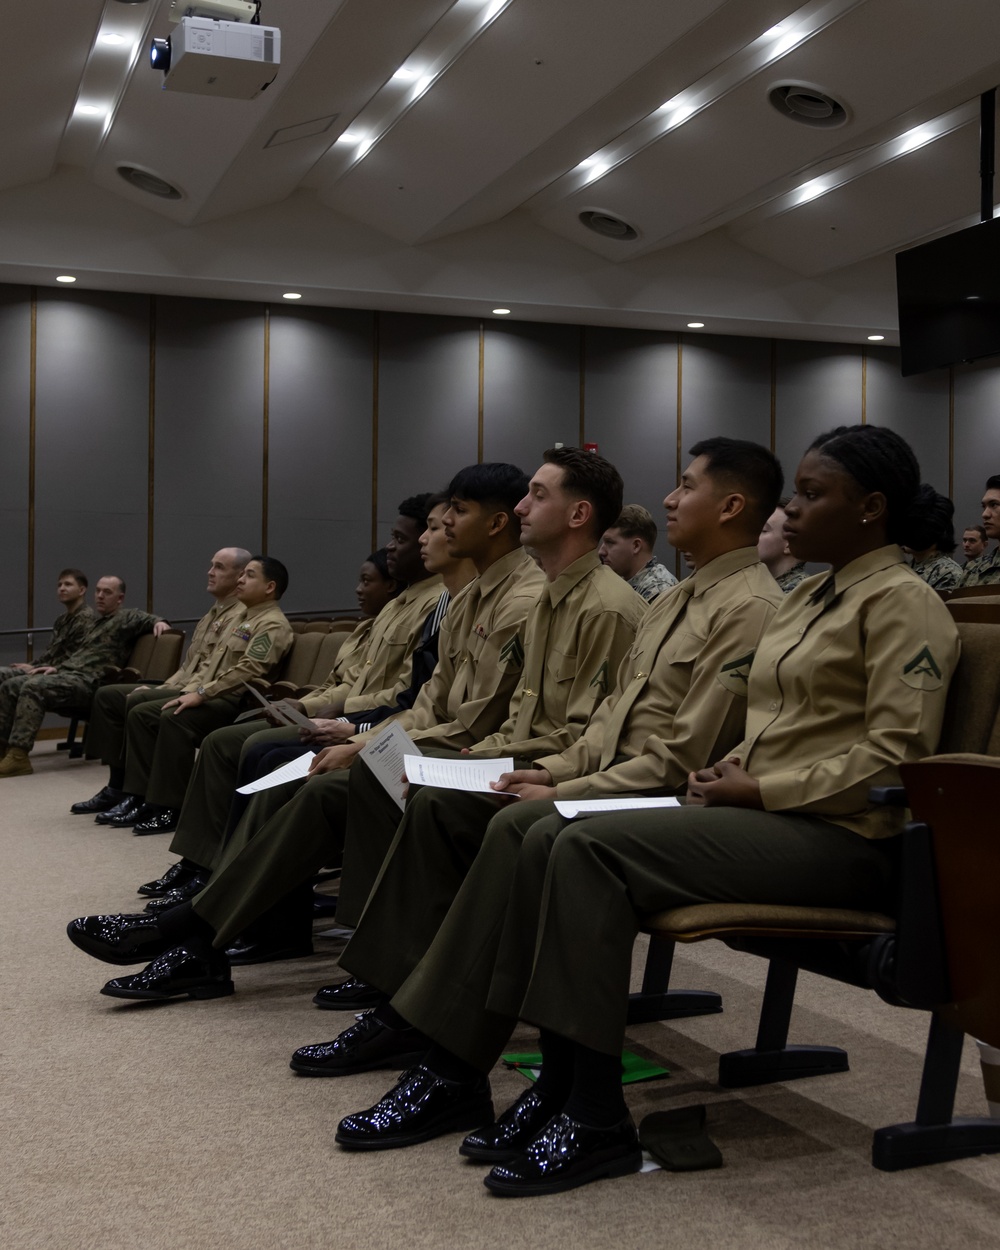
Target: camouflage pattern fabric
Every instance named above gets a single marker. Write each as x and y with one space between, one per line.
984 570
652 579
940 572
791 578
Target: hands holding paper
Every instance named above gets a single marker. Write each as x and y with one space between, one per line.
327 733
527 783
334 757
725 784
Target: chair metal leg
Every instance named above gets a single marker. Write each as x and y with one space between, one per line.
936 1136
772 1059
656 1001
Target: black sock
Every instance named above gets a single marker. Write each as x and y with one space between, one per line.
443 1063
183 924
389 1016
558 1064
596 1098
191 866
117 778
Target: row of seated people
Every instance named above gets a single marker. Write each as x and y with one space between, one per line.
771 714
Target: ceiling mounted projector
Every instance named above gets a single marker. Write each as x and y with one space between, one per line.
219 50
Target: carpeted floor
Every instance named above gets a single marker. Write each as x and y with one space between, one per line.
180 1125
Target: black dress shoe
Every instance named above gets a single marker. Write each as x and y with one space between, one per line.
155 820
103 801
179 894
365 1045
176 875
324 906
519 1125
117 939
420 1106
349 995
566 1154
267 950
124 815
178 973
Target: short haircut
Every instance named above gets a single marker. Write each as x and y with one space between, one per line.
274 571
381 563
589 476
493 484
635 521
416 507
77 575
934 523
748 468
241 557
993 483
980 530
119 580
437 499
878 460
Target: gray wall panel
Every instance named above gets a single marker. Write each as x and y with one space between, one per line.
818 388
915 407
320 415
15 383
977 437
531 391
631 412
428 406
209 430
92 404
726 389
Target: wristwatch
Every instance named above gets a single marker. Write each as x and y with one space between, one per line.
201 691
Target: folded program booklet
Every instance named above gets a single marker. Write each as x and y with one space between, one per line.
472 775
385 756
571 809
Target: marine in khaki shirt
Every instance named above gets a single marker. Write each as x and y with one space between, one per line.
680 699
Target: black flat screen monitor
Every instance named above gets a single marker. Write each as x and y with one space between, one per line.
949 299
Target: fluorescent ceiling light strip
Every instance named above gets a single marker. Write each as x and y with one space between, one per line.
757 55
440 48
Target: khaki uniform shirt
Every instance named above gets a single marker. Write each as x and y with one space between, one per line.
345 669
480 657
680 700
387 661
849 682
984 570
255 643
109 642
69 632
210 629
576 636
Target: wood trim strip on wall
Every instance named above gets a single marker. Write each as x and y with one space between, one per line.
375 355
680 433
583 387
32 376
864 385
951 431
151 457
774 393
265 479
482 391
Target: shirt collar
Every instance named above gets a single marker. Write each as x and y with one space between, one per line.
571 576
710 574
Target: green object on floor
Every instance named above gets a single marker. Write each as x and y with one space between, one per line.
634 1068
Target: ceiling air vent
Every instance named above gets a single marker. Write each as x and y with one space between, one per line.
610 227
152 184
802 102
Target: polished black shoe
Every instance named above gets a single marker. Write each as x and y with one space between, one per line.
179 894
117 939
176 875
350 995
178 973
514 1129
366 1045
566 1154
124 815
420 1106
156 820
103 801
267 950
324 906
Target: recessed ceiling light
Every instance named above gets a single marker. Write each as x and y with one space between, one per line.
610 227
291 295
696 325
500 312
149 181
875 338
65 277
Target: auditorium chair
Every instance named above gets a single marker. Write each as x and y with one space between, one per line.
935 953
308 664
153 659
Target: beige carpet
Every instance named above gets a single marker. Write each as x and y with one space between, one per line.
174 1126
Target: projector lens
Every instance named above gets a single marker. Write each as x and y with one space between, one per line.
159 54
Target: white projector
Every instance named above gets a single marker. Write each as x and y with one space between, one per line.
209 57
